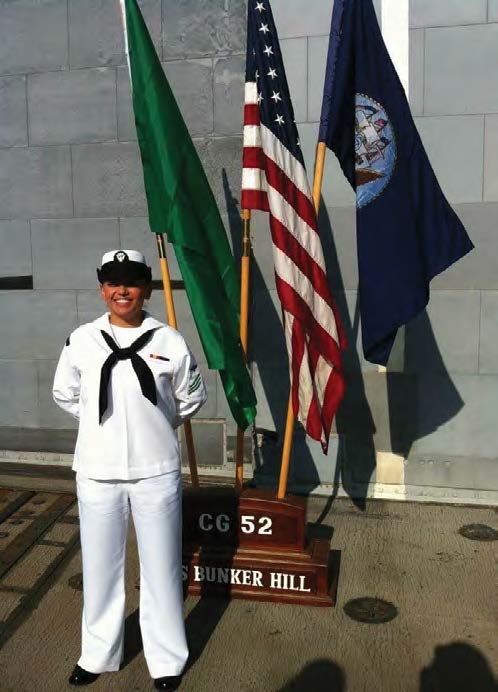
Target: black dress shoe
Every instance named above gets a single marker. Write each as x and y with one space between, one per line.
168 682
80 677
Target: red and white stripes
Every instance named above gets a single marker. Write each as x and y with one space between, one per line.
274 180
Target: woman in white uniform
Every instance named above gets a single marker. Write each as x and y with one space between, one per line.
130 380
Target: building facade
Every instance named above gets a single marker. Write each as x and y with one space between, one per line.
71 187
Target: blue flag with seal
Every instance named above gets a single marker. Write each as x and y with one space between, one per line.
407 233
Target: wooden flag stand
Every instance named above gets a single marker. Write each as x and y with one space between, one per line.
247 543
251 545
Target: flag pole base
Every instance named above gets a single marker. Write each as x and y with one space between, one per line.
250 545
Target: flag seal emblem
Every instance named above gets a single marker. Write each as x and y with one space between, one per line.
375 149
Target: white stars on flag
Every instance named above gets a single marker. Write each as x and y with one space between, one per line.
274 180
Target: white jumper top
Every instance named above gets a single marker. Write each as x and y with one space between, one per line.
136 439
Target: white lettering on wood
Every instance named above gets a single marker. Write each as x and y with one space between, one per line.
206 522
288 582
301 583
247 577
222 523
198 573
211 574
265 524
234 576
223 575
247 524
257 578
276 580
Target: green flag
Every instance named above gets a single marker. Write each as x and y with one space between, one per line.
181 204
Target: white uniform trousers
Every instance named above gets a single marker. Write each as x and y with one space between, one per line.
104 508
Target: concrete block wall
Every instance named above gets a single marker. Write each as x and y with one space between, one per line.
454 94
71 187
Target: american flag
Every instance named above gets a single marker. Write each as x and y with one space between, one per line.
274 179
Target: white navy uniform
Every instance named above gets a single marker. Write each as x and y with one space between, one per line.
129 459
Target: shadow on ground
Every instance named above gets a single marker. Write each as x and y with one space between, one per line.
200 625
132 638
458 667
322 675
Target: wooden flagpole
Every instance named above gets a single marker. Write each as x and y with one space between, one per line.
171 315
321 150
245 263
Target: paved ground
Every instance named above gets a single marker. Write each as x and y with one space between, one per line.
444 638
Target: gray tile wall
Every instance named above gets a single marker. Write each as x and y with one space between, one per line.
13 113
71 187
451 349
69 107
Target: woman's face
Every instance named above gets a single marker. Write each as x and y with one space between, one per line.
125 302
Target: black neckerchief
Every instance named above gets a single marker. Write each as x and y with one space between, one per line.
142 370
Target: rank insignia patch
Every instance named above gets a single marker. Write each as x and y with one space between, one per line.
195 383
